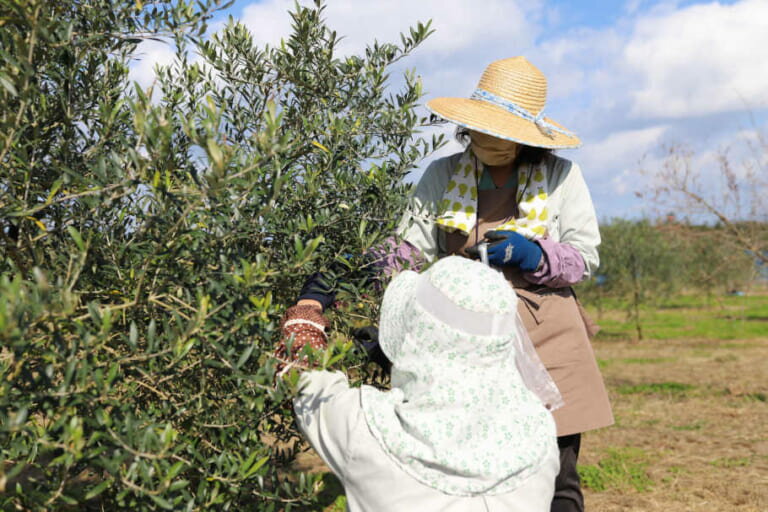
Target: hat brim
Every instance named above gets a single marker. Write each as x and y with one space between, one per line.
493 120
396 303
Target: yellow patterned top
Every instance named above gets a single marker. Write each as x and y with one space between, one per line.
458 209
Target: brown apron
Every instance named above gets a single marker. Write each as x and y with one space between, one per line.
555 322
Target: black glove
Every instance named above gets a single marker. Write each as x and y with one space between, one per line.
367 338
320 287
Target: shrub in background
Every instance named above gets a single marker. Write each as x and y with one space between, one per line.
151 239
638 265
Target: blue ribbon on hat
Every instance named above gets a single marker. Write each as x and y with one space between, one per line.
513 108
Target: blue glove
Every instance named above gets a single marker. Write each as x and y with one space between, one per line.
511 249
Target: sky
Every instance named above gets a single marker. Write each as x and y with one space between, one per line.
629 77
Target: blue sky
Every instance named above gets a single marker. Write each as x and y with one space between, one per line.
629 76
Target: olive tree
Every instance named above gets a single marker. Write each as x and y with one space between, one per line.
711 261
151 239
639 265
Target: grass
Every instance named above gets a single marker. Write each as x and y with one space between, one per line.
603 363
620 468
689 316
731 462
647 360
698 407
673 473
696 425
676 389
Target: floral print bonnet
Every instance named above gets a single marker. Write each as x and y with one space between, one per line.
460 416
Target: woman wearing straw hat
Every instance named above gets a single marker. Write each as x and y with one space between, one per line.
534 212
461 390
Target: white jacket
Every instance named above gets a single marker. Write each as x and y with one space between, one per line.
572 216
330 415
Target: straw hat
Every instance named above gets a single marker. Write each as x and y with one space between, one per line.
509 104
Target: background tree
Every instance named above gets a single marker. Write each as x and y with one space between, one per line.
645 263
151 239
638 265
711 261
731 195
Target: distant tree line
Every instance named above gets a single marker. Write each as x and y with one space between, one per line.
644 262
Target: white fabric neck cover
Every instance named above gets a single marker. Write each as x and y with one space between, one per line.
460 417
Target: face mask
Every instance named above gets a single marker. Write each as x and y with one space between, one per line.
492 150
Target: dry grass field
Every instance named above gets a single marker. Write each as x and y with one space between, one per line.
691 430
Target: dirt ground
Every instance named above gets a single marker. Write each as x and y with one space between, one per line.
693 415
705 446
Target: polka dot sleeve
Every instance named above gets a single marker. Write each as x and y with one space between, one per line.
303 325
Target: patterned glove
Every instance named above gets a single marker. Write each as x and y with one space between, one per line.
307 325
508 248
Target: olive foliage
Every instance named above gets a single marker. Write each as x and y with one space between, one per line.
151 239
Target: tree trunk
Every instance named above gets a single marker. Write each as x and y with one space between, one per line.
636 297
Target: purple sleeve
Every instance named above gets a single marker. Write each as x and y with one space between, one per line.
562 265
392 256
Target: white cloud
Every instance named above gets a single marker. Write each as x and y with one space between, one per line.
460 25
660 61
662 73
619 184
631 6
613 167
620 151
700 60
148 55
581 62
465 39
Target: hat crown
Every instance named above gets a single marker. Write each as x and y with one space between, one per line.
472 286
508 104
516 80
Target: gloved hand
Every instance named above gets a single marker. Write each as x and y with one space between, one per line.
306 325
320 287
368 339
511 249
